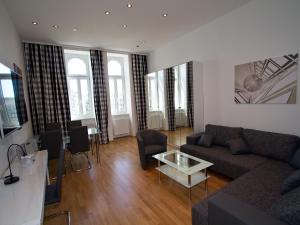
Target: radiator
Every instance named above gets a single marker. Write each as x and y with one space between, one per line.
155 120
121 126
181 118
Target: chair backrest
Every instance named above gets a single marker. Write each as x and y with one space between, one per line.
79 140
59 172
150 137
52 141
74 123
53 126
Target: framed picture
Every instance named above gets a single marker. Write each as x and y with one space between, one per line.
268 81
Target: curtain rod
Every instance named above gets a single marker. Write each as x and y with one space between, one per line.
76 47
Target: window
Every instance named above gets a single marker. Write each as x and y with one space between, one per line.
155 85
117 87
180 87
79 84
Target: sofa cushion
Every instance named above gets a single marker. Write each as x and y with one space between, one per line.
224 162
295 162
238 146
291 182
205 140
287 207
261 186
274 145
222 133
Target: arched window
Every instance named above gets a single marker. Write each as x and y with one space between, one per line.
114 68
79 84
76 66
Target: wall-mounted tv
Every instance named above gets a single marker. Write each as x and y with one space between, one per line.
13 113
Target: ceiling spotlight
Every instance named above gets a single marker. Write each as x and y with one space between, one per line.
165 14
55 26
107 12
129 5
124 26
34 23
74 29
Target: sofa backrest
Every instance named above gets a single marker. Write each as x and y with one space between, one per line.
273 145
222 134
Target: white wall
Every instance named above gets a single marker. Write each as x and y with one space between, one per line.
11 52
259 29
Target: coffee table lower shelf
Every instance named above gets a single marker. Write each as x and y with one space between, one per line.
182 178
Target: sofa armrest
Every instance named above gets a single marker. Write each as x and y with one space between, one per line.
192 139
228 210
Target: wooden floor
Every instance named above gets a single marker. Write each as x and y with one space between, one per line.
119 192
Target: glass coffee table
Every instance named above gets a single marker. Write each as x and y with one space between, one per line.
185 169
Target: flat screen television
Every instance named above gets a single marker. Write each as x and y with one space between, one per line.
13 113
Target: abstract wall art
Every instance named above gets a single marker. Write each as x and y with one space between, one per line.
269 81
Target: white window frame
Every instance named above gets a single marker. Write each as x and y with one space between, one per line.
114 78
151 107
82 55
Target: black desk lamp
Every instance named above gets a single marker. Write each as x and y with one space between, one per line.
10 179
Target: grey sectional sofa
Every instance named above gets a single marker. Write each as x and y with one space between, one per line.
253 197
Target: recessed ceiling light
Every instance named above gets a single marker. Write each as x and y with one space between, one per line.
124 26
107 12
74 29
165 14
129 5
34 23
55 26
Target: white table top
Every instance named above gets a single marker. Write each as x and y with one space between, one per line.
22 203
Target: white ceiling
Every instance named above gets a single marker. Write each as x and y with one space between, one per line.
95 29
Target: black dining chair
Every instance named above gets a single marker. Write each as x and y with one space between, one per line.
79 144
53 191
53 126
52 141
74 123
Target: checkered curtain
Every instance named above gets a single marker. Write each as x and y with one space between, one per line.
190 96
170 83
100 93
139 70
47 86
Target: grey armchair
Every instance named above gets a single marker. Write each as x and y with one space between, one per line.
150 142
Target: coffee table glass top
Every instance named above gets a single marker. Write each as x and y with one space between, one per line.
183 162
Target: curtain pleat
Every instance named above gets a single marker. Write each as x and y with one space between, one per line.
190 95
170 83
139 70
47 86
100 94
